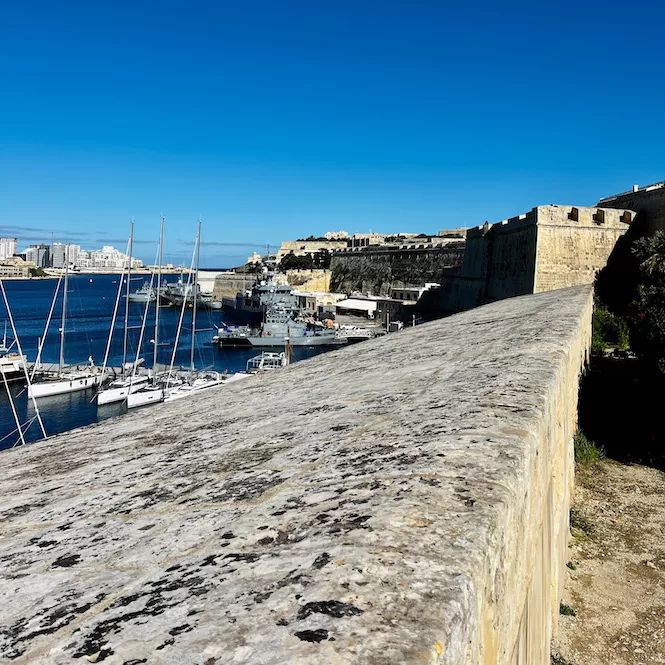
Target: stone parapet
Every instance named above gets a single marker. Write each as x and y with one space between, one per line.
401 501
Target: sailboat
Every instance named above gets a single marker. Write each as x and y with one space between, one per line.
64 380
171 386
130 381
202 380
153 392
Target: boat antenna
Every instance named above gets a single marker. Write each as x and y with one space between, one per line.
64 312
195 296
129 281
159 294
25 367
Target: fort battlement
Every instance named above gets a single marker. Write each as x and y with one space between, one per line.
550 247
401 501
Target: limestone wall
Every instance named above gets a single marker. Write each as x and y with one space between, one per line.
310 280
648 201
571 251
303 247
551 247
400 501
228 284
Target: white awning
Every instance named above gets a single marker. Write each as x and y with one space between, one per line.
359 305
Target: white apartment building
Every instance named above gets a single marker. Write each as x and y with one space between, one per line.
59 252
7 247
106 257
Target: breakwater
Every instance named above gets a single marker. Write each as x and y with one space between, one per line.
402 501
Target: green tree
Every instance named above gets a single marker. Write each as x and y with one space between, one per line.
647 319
293 262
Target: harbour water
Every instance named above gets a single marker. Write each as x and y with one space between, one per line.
90 305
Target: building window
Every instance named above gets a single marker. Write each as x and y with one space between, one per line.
626 217
574 215
599 216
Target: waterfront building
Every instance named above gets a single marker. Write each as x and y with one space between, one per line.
14 266
7 247
40 255
106 257
59 253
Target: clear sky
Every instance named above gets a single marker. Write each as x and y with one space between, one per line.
273 120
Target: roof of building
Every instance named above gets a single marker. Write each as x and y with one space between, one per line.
357 303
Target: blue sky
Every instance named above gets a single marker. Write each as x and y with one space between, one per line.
276 120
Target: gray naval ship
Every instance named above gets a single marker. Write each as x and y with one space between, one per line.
249 308
279 323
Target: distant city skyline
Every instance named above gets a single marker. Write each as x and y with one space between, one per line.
274 121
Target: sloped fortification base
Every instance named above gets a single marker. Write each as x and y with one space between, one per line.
401 501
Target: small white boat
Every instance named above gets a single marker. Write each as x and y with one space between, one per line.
118 390
11 364
353 334
266 361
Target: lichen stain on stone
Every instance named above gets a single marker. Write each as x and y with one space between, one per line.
66 561
312 635
331 608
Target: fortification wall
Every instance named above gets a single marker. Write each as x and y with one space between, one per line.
574 243
648 201
551 247
401 501
310 280
302 247
379 270
228 284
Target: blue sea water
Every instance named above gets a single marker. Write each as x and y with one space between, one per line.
90 303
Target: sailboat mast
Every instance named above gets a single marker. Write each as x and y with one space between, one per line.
195 295
64 311
127 294
159 293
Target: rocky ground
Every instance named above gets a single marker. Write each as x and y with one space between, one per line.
613 606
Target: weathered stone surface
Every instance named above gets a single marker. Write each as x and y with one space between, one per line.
401 501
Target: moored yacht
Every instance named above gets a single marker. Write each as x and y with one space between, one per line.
120 389
65 380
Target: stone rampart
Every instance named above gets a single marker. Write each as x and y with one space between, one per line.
574 243
310 280
228 284
550 247
401 501
648 201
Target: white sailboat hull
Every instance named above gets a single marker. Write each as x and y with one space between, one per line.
144 397
186 390
66 384
120 393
